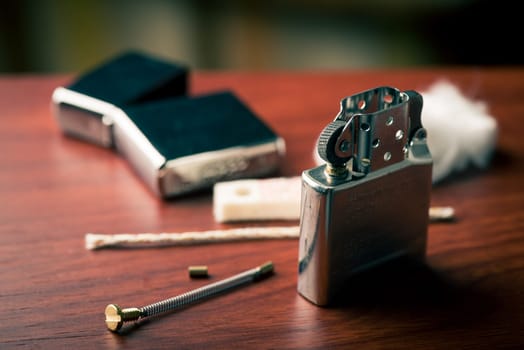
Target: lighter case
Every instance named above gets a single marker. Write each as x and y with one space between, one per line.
369 203
83 108
137 105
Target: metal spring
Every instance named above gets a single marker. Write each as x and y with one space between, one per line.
198 294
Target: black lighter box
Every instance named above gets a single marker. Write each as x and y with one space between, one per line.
83 108
175 143
181 145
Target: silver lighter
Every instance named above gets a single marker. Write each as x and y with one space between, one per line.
369 203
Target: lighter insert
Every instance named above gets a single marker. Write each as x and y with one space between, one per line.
369 203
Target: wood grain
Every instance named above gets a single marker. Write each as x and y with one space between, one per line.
54 189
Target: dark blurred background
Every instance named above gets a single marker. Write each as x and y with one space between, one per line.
70 36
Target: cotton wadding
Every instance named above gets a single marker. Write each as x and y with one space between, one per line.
461 133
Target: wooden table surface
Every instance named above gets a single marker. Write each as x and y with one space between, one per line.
53 189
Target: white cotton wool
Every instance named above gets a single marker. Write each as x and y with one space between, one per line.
460 131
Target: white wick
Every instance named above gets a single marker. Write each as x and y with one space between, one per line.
441 214
96 241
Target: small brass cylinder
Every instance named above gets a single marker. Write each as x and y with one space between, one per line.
198 271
